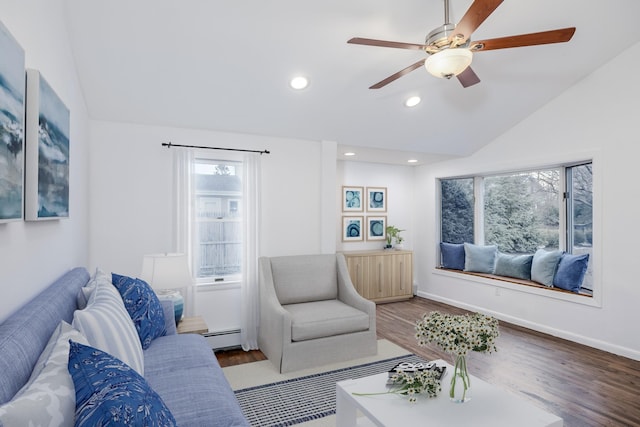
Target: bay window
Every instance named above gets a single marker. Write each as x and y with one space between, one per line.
523 211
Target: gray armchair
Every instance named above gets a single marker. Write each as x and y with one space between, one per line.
311 314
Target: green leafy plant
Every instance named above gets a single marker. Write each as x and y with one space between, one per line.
393 234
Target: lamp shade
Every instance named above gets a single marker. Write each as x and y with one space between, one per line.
448 62
166 271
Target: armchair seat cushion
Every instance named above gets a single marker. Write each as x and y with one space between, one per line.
319 319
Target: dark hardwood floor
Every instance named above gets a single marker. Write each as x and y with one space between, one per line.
583 385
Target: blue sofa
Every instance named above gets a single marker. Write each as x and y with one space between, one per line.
182 369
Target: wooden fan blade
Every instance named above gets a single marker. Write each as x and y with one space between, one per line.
475 15
532 39
468 77
399 74
385 43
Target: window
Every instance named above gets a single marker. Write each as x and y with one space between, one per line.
217 217
457 210
523 211
217 243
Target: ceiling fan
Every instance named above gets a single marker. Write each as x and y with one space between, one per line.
450 49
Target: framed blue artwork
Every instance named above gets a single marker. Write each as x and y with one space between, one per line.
352 199
376 199
352 229
12 99
376 227
47 152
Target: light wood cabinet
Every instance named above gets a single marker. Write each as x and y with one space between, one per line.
381 276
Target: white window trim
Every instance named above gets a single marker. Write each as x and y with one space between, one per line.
560 161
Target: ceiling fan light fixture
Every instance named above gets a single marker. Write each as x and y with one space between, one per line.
448 62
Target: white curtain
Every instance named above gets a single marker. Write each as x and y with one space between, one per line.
184 214
251 226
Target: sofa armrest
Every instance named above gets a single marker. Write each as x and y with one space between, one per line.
347 292
169 317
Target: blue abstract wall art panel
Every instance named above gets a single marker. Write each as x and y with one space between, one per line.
47 151
12 98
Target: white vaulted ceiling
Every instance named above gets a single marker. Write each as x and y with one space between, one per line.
225 65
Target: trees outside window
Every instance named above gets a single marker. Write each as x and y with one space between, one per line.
457 210
523 211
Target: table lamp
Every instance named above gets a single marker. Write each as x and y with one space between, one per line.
164 273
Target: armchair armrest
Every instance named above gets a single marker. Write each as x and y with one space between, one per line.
347 292
275 321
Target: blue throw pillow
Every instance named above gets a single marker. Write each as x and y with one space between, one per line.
143 306
452 255
479 259
109 392
518 266
544 266
571 271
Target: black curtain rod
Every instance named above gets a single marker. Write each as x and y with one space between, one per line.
169 145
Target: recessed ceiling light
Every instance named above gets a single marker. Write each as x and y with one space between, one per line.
412 161
349 153
412 101
299 82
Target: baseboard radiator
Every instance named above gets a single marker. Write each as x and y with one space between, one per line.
222 340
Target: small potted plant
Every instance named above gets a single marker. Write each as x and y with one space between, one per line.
393 234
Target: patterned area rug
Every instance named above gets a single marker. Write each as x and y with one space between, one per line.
307 398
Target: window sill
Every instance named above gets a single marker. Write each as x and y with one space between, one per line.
217 286
520 285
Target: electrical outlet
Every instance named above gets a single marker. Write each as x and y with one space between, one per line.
497 292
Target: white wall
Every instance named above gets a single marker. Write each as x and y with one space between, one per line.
399 181
596 117
32 254
132 198
132 191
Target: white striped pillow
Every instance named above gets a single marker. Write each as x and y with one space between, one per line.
108 327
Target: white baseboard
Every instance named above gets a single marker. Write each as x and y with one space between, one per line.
580 339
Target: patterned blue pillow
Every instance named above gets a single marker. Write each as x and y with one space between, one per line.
143 306
109 392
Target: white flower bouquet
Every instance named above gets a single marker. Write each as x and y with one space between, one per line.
411 384
458 335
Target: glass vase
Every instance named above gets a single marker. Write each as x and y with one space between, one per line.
460 390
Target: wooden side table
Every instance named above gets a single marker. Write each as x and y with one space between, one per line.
193 325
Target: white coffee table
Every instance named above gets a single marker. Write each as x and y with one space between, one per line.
489 406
